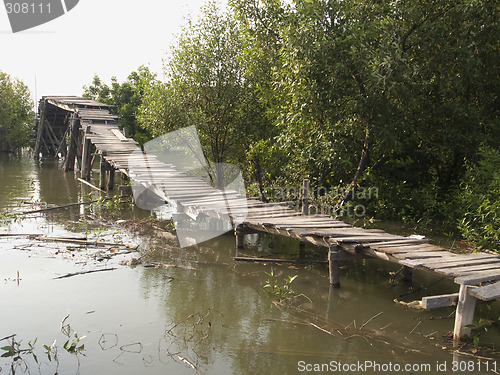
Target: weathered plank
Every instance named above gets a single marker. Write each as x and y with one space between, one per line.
487 292
479 277
406 249
462 271
434 302
461 262
417 255
401 241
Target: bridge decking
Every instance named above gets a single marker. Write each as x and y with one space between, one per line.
78 124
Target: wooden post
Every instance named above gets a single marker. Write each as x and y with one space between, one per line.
333 263
239 237
465 313
39 132
302 249
407 273
86 155
111 180
305 197
104 170
69 163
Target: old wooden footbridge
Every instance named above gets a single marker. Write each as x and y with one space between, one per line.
80 129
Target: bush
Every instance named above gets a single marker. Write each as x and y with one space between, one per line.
16 116
479 200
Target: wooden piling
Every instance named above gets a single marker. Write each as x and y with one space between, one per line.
69 163
305 197
465 313
104 171
333 263
407 274
239 233
111 179
302 249
86 156
40 129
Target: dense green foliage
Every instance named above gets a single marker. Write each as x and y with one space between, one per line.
207 87
17 118
401 97
125 98
479 200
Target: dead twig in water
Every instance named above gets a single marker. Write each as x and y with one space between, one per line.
369 320
81 241
303 322
414 328
90 185
187 362
84 272
473 355
18 235
62 206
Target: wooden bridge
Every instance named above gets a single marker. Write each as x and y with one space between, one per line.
80 129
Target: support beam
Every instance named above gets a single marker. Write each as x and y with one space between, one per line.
69 163
40 129
434 302
407 273
239 233
52 135
86 156
111 178
104 171
334 266
465 313
302 249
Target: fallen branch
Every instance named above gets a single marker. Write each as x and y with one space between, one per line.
81 241
84 272
89 184
473 355
414 328
18 235
369 320
63 206
268 260
302 322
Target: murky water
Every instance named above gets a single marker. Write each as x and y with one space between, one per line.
202 312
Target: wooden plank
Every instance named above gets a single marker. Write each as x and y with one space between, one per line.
487 292
365 239
462 271
478 278
402 241
265 217
463 262
434 302
406 249
417 255
418 263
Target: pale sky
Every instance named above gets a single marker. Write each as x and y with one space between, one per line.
107 37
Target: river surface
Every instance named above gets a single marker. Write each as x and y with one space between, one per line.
201 312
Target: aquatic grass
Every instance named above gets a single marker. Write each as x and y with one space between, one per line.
272 285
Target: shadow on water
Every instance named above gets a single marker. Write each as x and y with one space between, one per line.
197 310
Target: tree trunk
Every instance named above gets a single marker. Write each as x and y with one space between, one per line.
363 163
